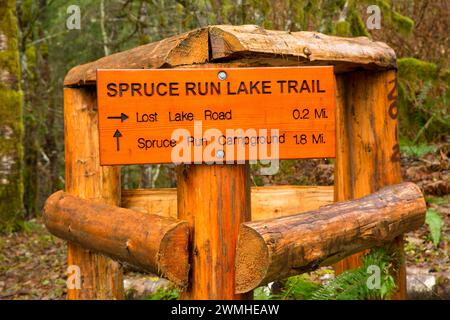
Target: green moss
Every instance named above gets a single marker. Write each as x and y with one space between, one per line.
342 28
227 9
26 10
412 68
446 77
403 24
423 100
384 5
9 61
9 58
11 125
11 207
352 26
357 26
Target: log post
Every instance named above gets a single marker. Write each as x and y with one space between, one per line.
277 248
367 148
101 278
215 200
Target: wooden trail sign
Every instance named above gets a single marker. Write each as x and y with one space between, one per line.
215 115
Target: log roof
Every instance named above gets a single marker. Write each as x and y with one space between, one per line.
246 45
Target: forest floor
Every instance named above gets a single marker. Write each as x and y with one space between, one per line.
33 262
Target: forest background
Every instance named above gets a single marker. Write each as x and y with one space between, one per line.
40 42
42 49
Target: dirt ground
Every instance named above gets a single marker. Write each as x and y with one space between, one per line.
32 262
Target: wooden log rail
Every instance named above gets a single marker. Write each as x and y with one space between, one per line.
153 243
266 202
267 250
277 248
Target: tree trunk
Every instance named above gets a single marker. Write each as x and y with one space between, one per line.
11 122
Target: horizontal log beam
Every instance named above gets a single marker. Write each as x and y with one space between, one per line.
266 202
162 202
151 242
183 49
279 201
246 46
278 248
255 46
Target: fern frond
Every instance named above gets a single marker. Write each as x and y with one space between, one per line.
353 284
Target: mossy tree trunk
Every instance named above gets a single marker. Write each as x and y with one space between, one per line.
11 127
33 97
43 156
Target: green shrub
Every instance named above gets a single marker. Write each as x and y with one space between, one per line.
435 223
350 285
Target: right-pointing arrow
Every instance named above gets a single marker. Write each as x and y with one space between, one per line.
122 117
117 135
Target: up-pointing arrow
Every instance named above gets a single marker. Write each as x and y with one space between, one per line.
117 135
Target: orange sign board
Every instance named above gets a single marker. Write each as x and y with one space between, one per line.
215 115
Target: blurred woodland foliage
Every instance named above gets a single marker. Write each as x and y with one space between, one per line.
416 29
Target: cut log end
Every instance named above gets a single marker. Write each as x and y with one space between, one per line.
174 247
251 259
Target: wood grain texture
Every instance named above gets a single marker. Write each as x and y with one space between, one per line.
184 49
266 202
101 278
196 104
367 149
215 200
277 248
162 201
279 201
260 46
244 46
249 46
153 243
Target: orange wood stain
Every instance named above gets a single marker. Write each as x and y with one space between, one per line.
139 111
